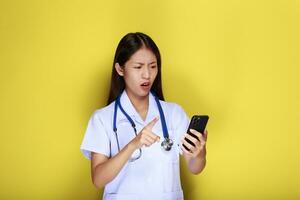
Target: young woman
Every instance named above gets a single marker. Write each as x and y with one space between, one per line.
135 141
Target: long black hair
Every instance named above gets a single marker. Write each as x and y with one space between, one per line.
127 46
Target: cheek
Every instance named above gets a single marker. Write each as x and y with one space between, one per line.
131 78
154 74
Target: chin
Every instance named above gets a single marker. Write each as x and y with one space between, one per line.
138 92
142 93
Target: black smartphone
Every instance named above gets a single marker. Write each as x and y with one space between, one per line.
198 123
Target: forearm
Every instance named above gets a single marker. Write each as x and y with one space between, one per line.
107 171
196 164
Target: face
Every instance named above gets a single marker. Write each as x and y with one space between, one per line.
139 72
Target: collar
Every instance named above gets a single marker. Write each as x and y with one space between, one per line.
131 111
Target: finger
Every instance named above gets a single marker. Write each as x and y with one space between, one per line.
191 138
152 135
149 139
147 144
152 123
200 142
200 136
185 151
196 133
188 145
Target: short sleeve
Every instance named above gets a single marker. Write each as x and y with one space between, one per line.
180 124
95 138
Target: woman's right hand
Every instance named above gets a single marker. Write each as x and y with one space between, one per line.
146 136
105 169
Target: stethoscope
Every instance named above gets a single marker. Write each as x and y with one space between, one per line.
166 144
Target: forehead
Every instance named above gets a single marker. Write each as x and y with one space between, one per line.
143 55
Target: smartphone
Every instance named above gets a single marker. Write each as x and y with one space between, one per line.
198 123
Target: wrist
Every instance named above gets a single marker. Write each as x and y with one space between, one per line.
132 145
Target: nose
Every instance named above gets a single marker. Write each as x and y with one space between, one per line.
146 72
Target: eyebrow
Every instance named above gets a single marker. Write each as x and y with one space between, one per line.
143 63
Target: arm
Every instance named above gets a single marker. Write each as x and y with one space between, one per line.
104 169
196 158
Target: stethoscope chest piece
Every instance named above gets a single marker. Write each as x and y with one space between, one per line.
167 144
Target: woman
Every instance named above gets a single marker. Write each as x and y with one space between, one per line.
135 141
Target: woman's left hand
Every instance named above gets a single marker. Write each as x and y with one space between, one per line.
199 150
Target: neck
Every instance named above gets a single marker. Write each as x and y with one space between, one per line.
140 103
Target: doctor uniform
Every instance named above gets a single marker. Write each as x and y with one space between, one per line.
155 175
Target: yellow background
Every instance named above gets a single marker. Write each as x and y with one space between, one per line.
237 61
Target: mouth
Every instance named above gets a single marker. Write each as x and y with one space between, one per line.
146 85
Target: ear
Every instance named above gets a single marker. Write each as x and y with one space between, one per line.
119 69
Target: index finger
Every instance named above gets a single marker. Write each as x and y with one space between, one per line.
152 123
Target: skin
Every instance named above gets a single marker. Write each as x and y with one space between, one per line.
140 68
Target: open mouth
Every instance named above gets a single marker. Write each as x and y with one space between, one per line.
145 85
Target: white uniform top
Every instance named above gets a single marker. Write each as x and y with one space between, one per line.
156 174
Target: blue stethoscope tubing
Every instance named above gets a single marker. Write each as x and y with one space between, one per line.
166 144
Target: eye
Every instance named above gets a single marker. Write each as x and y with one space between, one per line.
137 67
153 67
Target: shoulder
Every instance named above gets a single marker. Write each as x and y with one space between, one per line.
104 113
172 107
